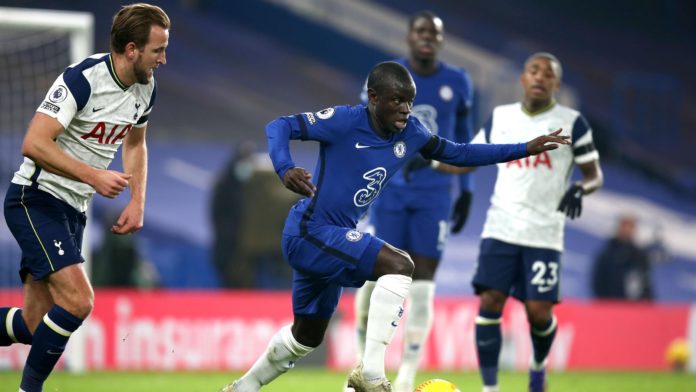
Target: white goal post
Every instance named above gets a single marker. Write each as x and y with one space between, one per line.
35 46
80 26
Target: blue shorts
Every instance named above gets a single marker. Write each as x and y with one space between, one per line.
48 230
524 272
416 221
325 260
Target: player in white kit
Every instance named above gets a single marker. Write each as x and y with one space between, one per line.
522 239
93 107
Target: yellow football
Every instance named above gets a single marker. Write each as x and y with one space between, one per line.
437 385
677 354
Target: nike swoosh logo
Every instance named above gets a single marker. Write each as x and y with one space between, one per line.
543 289
96 109
359 146
394 324
54 352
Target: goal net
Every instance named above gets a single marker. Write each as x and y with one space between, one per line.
35 47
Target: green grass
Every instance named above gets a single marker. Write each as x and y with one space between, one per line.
319 380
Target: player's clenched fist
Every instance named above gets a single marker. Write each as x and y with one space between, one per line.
110 183
299 181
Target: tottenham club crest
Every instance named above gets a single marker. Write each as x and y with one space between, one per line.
58 94
353 235
400 149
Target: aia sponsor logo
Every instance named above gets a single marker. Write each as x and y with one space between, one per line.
532 162
114 135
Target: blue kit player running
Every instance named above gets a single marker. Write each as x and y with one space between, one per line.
522 238
361 147
414 211
92 109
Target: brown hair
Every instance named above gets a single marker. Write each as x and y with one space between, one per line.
133 23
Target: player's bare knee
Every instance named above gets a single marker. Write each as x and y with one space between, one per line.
83 309
403 264
492 300
80 305
539 316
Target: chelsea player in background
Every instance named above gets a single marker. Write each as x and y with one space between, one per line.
413 213
361 147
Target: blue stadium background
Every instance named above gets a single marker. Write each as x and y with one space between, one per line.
235 65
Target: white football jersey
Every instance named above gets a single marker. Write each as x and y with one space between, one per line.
527 191
97 111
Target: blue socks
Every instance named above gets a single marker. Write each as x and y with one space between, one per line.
48 345
489 340
13 329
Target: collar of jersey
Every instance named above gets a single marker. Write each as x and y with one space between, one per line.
544 110
112 71
405 63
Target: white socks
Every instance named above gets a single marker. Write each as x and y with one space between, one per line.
280 356
362 306
420 310
386 309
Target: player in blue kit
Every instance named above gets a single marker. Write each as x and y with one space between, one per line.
413 213
93 108
361 147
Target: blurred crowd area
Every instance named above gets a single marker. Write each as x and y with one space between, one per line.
215 208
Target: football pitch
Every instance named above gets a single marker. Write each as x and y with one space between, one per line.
320 380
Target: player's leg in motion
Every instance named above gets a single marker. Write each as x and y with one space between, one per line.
73 300
393 269
420 311
542 325
280 355
13 328
362 308
489 337
18 325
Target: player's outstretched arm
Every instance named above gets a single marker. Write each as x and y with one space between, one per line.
299 181
546 142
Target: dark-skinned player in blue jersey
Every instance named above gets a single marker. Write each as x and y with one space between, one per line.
416 212
361 147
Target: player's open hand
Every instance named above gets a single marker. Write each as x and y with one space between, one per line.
299 181
546 142
110 183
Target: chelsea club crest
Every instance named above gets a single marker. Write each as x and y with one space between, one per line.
354 235
400 149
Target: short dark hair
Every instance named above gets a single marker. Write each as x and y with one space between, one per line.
386 74
426 14
133 23
555 63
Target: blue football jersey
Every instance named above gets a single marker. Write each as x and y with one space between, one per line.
355 163
443 105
